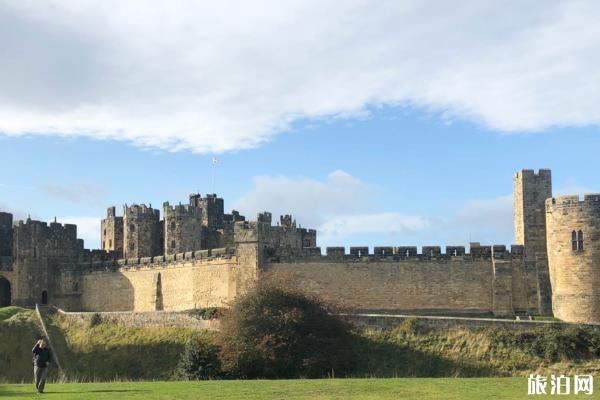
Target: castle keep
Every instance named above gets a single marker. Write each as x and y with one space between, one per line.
197 255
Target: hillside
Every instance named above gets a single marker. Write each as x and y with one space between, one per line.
97 350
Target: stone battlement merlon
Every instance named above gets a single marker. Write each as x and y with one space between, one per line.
591 200
140 210
179 209
530 173
155 262
407 253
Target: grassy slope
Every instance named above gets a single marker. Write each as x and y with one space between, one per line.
18 333
467 353
363 389
109 351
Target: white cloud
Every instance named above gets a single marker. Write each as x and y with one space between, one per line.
481 220
76 192
341 209
386 222
88 229
310 200
220 76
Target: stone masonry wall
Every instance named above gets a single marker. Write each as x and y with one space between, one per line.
390 286
183 286
530 193
112 232
463 284
574 271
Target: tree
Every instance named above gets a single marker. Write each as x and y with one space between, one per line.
274 333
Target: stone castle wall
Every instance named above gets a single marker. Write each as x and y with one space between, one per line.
574 263
178 282
489 280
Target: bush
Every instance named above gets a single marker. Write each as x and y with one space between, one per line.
206 313
273 333
199 360
95 320
554 343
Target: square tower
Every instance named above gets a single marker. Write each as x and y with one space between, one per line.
6 227
530 193
112 232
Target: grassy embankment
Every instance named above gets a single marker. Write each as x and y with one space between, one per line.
100 351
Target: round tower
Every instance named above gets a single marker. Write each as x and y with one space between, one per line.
573 239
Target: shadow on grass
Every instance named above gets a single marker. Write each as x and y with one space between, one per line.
380 359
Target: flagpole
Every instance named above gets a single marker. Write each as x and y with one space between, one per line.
215 161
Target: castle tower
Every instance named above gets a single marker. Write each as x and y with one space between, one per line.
112 232
530 193
6 227
573 236
142 231
212 208
182 228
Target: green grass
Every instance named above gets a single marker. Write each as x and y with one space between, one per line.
109 351
328 389
10 311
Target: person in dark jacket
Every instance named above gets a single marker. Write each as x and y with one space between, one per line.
42 356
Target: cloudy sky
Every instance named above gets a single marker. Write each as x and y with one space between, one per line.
378 123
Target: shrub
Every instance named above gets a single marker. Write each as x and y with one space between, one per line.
206 313
274 333
199 360
95 320
554 343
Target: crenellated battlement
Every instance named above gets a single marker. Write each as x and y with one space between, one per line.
590 202
140 211
179 209
390 253
530 173
100 263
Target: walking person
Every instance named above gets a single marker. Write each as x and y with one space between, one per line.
42 356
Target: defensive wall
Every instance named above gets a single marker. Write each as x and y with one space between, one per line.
134 319
204 278
489 279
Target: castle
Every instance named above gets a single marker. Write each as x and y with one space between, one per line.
199 256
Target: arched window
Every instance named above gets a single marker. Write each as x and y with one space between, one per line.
574 241
44 297
173 225
580 240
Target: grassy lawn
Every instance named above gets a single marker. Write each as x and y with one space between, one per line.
402 388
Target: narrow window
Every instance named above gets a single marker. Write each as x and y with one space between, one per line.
131 246
172 244
173 225
580 240
44 297
574 241
110 243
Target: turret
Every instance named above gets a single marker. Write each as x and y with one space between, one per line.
573 227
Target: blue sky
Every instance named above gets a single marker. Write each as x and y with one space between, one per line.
384 126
